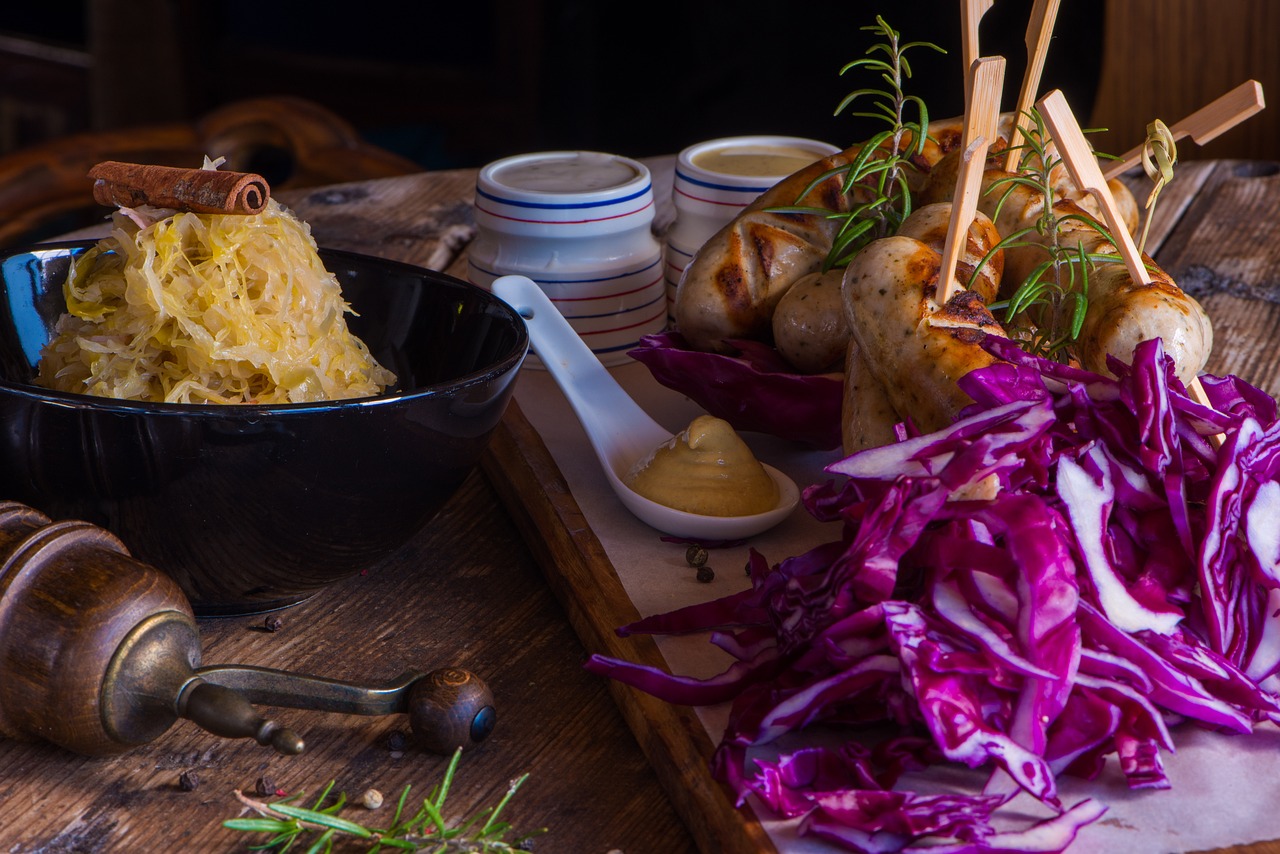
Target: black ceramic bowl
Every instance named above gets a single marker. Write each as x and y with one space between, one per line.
257 507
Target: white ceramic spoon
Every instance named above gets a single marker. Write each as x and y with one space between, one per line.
620 431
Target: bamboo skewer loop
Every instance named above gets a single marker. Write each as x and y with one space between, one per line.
1205 124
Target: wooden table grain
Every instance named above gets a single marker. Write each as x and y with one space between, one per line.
511 583
467 592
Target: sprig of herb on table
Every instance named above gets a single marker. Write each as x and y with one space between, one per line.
424 829
878 174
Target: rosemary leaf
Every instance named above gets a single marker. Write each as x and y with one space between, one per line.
323 819
425 830
878 170
324 843
255 825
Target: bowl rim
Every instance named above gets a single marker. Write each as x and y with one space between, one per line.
508 364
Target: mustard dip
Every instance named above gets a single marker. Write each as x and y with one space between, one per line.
706 469
756 161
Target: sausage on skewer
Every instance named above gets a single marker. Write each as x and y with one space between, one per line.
1123 313
734 283
877 397
913 347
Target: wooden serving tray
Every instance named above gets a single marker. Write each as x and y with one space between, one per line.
1216 230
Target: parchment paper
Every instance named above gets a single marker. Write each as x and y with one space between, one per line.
1225 788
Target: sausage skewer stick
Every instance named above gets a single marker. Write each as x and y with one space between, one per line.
985 80
971 12
1205 124
1083 166
1084 169
1039 32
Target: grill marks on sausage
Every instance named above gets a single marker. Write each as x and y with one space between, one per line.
966 318
762 247
948 139
732 284
967 308
922 266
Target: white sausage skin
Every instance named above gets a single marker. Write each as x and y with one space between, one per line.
867 416
1123 314
809 328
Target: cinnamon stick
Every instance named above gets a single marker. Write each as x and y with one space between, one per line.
196 190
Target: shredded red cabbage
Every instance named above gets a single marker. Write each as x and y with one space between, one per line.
754 389
1127 574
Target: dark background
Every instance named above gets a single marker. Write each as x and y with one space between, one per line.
460 84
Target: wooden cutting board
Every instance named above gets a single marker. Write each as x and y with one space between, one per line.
1216 230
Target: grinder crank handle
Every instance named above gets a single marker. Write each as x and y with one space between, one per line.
449 708
224 712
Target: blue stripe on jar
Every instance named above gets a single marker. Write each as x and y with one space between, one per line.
730 188
648 188
563 222
544 280
616 312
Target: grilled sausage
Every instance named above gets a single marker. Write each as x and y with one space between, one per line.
1120 313
1015 206
867 416
735 281
930 224
939 179
914 347
1123 313
809 328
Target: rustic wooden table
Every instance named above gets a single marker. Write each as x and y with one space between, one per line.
510 583
466 592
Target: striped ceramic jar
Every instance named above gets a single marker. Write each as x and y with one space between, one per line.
577 223
716 179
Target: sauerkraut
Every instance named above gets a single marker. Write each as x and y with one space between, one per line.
208 308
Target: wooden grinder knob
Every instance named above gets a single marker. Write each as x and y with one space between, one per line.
449 709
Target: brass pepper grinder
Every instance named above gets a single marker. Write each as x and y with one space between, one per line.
100 653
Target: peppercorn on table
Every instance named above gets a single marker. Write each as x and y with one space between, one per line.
524 589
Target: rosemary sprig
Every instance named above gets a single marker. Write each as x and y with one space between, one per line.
1047 311
426 828
878 174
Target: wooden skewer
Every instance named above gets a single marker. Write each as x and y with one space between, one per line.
1083 166
1205 124
971 12
1039 33
985 80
